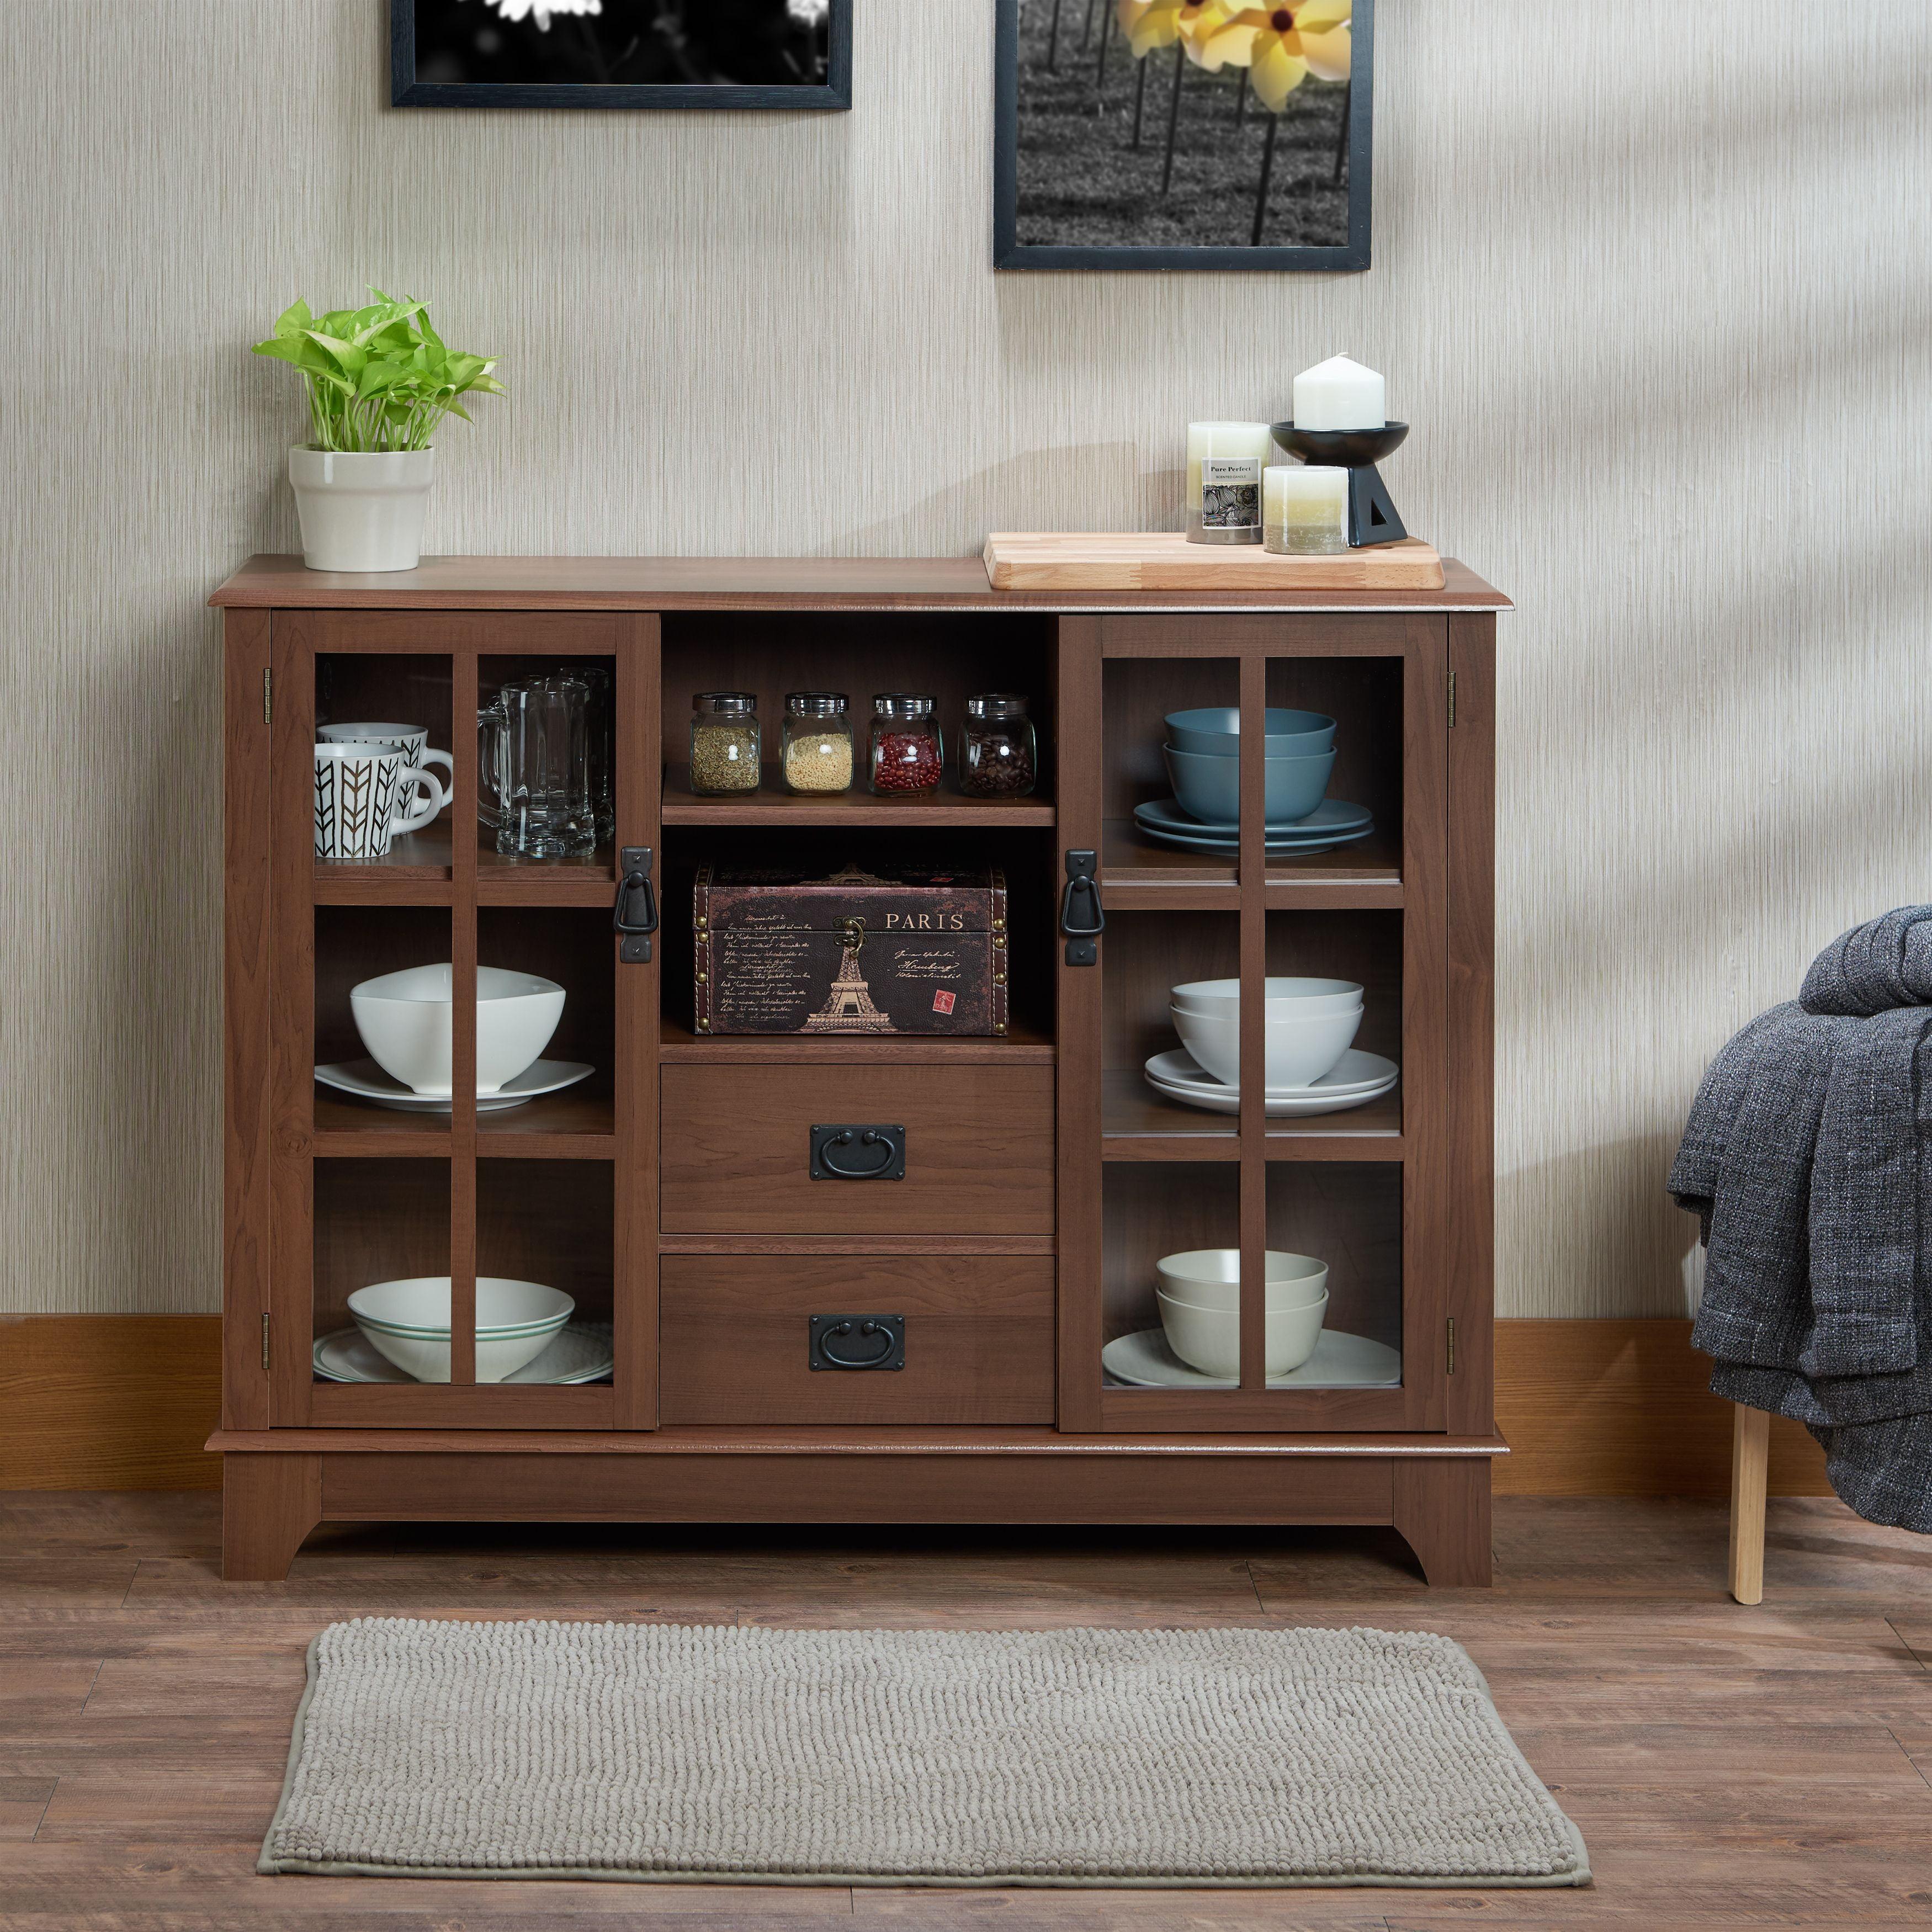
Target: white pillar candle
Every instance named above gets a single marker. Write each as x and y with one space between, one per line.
1340 395
1225 460
1304 510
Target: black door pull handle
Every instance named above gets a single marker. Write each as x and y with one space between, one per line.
1082 917
634 913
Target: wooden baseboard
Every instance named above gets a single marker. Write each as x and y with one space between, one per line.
124 1401
1625 1408
109 1402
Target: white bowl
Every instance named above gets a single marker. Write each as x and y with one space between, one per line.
1299 1051
1221 999
1211 1277
404 1020
1210 1339
408 1321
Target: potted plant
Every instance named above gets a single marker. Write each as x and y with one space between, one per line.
378 380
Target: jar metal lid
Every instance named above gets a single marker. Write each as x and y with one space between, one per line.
996 704
815 703
734 702
901 704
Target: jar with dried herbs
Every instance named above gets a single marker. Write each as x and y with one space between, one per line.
724 743
817 754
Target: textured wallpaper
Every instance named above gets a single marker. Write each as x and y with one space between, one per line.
1654 294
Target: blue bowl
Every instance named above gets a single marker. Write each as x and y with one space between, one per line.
1210 788
1216 732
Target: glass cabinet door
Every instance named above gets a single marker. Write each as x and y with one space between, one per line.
1256 1253
465 1066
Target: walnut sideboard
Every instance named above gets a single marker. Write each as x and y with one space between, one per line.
670 1193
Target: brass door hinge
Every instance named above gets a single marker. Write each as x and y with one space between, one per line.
265 1343
1452 1345
1452 700
268 695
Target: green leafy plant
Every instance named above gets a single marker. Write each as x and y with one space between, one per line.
378 378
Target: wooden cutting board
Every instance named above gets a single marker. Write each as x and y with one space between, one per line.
1164 560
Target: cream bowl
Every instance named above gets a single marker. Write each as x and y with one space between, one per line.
1298 1052
1286 998
1211 1277
408 1322
404 1020
1210 1339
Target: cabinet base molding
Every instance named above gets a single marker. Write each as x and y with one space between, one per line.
278 1485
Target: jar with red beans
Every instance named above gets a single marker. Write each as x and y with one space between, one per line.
906 754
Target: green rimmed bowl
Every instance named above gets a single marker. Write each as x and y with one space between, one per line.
407 1322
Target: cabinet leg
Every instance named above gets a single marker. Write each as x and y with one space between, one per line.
1750 1453
1442 1512
269 1503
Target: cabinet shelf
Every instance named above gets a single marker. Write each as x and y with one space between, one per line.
419 870
1137 1124
578 1124
1024 1045
1366 874
772 804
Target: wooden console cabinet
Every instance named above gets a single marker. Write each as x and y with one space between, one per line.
670 1194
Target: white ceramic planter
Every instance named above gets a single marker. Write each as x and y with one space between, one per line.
362 510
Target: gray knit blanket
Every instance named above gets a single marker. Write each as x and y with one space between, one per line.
1802 1159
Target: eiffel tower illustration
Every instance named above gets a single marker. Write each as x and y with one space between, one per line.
849 1007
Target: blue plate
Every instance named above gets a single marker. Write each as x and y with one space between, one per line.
1332 816
1275 849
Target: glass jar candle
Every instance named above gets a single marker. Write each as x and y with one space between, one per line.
1305 510
724 743
1225 460
997 756
905 747
816 754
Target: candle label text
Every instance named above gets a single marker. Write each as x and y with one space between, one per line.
1231 493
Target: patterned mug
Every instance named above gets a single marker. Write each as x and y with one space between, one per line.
412 740
358 788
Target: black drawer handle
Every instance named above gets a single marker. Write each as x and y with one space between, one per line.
857 1342
857 1152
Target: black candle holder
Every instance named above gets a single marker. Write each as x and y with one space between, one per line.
1372 513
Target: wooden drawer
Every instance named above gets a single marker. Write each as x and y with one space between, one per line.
733 1334
736 1150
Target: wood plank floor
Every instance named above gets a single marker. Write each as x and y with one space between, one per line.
1729 1767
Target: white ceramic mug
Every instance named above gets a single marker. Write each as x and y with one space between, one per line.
357 791
412 740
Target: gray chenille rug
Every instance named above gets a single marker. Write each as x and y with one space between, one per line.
1066 1757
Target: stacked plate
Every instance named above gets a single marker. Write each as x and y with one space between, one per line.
581 1352
1204 761
1356 1079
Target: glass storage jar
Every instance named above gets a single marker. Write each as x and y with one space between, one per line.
906 752
816 752
724 743
997 755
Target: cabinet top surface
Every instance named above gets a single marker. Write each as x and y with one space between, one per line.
763 583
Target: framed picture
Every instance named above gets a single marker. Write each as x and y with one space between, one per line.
1183 134
620 53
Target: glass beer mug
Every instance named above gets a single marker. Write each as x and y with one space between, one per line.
533 774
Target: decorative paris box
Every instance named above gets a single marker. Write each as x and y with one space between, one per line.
897 949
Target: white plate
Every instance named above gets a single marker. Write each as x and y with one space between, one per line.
366 1081
1355 1073
1296 1108
581 1354
1331 817
1339 1361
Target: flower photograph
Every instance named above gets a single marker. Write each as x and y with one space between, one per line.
560 45
1157 132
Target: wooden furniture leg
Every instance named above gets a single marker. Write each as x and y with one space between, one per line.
269 1504
1442 1510
1750 1450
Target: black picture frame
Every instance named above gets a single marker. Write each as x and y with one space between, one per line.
1010 252
407 91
